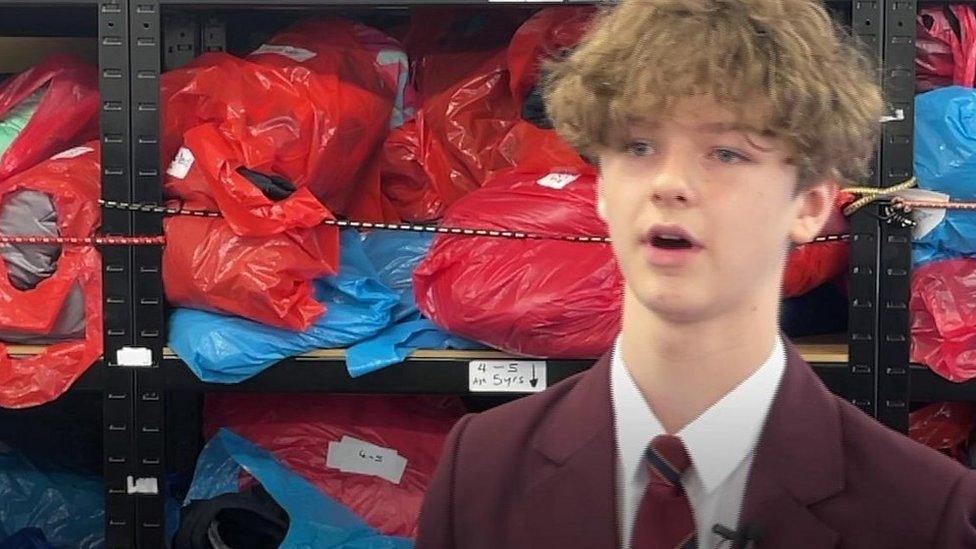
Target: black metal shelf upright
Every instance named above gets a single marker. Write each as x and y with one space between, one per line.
118 380
136 446
897 166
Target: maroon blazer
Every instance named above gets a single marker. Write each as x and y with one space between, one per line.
539 473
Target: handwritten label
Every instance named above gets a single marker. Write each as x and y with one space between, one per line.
506 376
557 180
351 455
291 52
73 153
180 166
926 218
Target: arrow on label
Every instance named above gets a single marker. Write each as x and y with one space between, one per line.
535 380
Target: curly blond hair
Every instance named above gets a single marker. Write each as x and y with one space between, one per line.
786 59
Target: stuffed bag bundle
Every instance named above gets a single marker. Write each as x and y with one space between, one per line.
464 134
45 110
302 431
51 294
278 142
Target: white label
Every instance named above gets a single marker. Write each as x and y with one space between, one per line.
351 455
897 116
558 180
926 218
180 166
134 356
72 153
142 485
506 376
291 52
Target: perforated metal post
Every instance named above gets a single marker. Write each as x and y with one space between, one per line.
897 157
113 60
149 491
866 24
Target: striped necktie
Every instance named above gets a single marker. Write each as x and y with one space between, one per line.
664 518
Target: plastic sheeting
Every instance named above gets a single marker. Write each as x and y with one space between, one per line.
72 180
67 506
519 295
945 162
316 520
227 349
297 429
395 256
312 105
472 130
17 118
945 47
943 309
65 116
944 426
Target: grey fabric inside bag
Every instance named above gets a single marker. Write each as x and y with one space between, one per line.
32 213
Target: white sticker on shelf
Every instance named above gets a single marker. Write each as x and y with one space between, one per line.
72 153
506 376
926 218
291 52
180 166
148 486
134 356
557 180
351 455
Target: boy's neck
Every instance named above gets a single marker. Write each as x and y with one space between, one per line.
682 369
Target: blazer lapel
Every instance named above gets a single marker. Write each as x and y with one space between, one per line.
570 501
798 462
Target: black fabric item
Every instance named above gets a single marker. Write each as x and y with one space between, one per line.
821 311
274 187
251 519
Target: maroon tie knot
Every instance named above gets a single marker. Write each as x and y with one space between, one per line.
668 455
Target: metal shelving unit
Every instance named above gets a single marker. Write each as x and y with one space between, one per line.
864 369
852 375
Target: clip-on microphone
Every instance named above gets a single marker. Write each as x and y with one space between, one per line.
741 537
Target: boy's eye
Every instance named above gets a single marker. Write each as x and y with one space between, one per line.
729 156
639 148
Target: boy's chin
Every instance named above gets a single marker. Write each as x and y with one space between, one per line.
674 307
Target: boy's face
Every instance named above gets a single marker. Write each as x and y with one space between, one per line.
700 213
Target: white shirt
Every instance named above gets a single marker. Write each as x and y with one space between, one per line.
721 443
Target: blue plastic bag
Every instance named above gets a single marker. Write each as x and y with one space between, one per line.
945 161
28 538
395 255
67 506
316 520
226 349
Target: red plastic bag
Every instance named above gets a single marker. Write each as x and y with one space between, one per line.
945 47
943 308
543 36
268 279
810 265
312 105
299 428
461 137
66 116
72 180
531 297
944 426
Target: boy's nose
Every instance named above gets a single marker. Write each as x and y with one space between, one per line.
672 189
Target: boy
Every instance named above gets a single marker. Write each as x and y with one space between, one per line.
721 129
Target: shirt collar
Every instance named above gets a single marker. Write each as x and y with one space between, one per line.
718 440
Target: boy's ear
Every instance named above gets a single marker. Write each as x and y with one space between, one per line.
814 205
